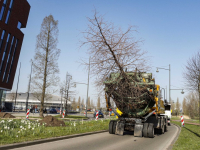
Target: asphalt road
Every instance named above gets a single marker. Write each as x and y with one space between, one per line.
108 141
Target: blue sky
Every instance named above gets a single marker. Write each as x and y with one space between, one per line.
170 30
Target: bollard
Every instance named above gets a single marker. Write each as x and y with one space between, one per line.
97 115
27 113
84 113
182 121
63 116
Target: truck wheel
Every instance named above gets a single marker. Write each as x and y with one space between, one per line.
144 131
163 126
111 127
166 125
114 126
151 130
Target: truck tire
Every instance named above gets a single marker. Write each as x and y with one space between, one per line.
166 125
151 130
163 126
114 126
145 130
111 127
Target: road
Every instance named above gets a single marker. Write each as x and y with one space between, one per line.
108 141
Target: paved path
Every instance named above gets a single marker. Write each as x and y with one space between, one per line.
108 141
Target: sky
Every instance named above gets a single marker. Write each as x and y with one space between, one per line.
170 31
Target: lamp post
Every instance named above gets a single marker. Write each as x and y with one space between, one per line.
17 86
61 92
164 92
169 81
28 88
87 86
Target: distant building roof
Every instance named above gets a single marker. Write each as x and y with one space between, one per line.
21 97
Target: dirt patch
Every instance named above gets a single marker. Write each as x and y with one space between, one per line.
186 117
52 121
6 115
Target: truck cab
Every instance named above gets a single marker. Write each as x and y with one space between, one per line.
168 113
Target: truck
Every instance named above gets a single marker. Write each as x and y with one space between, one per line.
140 102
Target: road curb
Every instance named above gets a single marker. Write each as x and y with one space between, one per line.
175 139
29 143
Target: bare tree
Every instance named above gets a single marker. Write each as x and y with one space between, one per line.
79 102
98 103
45 67
74 105
66 86
88 103
192 75
113 50
177 107
82 104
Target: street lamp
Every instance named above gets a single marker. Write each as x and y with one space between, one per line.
169 80
87 85
61 92
182 92
29 87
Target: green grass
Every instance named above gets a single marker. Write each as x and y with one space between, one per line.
22 130
189 138
185 120
72 117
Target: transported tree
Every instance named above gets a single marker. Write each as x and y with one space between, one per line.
45 66
112 50
192 75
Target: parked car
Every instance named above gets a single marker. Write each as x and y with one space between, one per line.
53 110
101 115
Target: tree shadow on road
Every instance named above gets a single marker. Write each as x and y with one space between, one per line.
192 132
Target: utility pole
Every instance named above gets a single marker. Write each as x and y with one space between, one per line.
169 86
17 86
88 86
29 87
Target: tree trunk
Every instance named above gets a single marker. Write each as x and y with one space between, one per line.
199 101
44 81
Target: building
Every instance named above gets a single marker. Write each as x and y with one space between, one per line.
52 101
13 16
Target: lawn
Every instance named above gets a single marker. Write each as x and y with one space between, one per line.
16 130
189 138
185 120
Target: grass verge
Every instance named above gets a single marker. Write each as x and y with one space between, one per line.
72 117
189 138
15 131
185 120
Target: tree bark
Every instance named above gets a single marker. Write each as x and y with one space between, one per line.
45 76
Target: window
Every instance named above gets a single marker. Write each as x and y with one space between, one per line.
19 25
4 53
12 61
8 59
2 38
3 9
9 11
